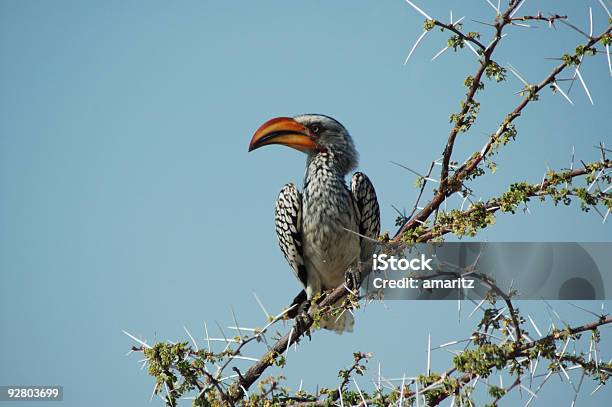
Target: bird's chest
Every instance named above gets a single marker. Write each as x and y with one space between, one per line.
329 221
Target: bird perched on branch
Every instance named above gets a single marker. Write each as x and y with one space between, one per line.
328 228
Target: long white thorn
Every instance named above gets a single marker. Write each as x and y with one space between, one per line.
446 48
608 55
288 343
573 27
136 339
275 319
243 328
590 22
195 344
459 306
414 47
596 388
414 6
595 180
207 337
153 392
563 93
167 393
251 359
498 314
265 311
444 345
493 6
360 393
535 367
340 316
228 377
539 387
528 391
564 348
477 306
223 334
428 354
517 9
578 389
534 325
584 309
236 321
458 21
586 90
566 375
605 8
246 393
515 72
224 340
492 41
472 48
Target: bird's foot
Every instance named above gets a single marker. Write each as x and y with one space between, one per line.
353 278
303 321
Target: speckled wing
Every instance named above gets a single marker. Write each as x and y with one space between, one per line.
369 220
288 220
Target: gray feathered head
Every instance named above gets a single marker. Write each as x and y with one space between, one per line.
312 134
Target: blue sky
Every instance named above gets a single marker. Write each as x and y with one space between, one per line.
129 200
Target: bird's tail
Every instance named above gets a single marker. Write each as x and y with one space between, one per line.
341 324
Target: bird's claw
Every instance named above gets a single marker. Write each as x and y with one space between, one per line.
353 278
302 322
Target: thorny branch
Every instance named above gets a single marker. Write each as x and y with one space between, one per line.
522 349
452 184
540 17
464 222
170 363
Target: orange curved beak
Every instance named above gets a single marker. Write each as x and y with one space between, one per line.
285 131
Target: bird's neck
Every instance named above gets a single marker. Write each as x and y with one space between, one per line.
325 164
339 165
324 175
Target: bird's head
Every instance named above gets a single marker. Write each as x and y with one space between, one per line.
312 134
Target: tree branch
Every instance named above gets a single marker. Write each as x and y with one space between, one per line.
192 364
467 377
496 204
467 169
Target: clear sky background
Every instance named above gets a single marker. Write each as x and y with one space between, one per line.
128 199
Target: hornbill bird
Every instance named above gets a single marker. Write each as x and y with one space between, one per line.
327 229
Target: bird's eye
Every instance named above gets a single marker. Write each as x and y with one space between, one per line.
315 128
